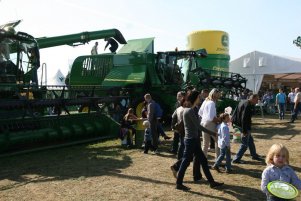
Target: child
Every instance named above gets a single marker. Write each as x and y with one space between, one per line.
147 137
223 143
277 161
127 124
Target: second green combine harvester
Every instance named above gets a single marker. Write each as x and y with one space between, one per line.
35 115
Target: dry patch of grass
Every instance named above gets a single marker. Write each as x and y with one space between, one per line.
106 171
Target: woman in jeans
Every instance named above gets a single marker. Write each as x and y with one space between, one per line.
192 143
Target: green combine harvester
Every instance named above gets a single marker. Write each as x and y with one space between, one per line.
35 116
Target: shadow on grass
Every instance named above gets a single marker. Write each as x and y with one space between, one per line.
75 162
255 173
209 196
144 179
274 130
243 193
239 192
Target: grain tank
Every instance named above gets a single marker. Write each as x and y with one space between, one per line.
217 45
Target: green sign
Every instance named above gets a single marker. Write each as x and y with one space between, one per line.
225 40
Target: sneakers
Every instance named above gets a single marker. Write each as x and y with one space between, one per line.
174 171
182 187
215 184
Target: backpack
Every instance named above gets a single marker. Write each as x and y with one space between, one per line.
158 110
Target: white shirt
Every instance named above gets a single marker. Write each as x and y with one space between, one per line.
223 135
207 111
291 95
298 95
94 50
179 112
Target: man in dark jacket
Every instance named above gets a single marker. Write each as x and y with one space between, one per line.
242 119
113 43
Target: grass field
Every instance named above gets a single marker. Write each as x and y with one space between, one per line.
106 171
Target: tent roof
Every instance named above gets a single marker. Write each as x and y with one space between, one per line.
57 79
265 63
255 65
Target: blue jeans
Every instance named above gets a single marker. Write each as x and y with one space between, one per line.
247 141
181 147
281 107
292 105
224 152
155 135
175 142
296 111
160 129
193 149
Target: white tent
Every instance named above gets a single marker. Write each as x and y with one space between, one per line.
255 65
58 79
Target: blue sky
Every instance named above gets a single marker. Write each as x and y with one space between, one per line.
263 25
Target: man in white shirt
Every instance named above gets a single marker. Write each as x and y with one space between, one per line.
297 106
94 49
291 97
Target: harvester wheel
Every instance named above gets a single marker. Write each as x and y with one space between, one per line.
138 109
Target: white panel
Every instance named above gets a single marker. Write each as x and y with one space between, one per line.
246 62
262 62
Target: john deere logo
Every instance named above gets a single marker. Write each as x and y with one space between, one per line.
225 40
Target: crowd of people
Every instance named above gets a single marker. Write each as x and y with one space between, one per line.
197 128
281 102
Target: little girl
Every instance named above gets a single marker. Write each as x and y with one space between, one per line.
223 143
277 161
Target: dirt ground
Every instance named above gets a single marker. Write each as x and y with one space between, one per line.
107 171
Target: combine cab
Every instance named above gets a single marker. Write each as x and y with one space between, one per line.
35 115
